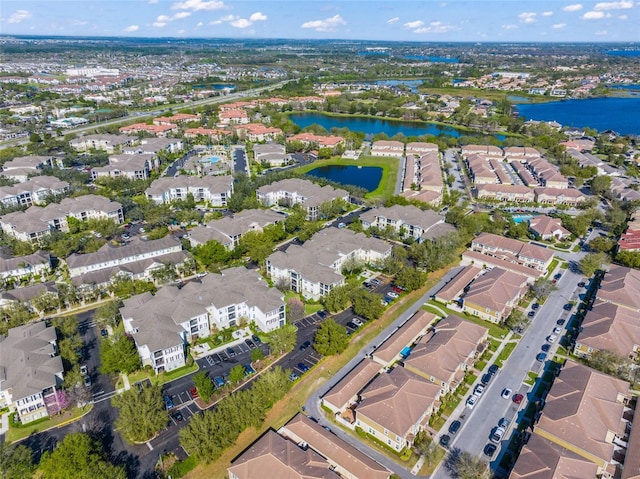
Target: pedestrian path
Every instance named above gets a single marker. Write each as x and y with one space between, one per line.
4 423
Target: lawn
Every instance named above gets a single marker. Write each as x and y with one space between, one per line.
292 403
161 378
428 467
17 433
531 378
390 167
505 353
494 330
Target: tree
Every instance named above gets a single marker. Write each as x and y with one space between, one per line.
108 314
78 456
256 355
118 354
236 374
283 339
410 278
515 319
16 461
600 185
295 309
256 246
141 413
331 338
592 262
542 288
367 304
204 385
465 465
338 298
609 363
602 244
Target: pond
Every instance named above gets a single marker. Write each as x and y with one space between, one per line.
367 177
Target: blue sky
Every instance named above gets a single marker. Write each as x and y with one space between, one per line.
402 20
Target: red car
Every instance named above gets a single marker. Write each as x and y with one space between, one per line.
518 398
193 392
398 289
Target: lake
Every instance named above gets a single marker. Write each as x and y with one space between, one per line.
372 126
367 177
618 114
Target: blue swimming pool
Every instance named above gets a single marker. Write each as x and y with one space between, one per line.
521 218
211 159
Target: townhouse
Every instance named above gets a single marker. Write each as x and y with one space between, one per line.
157 130
524 174
215 190
294 191
494 294
480 170
273 154
560 196
110 257
315 267
31 371
36 264
485 261
388 148
396 406
447 351
419 148
397 346
484 150
35 223
21 168
547 228
428 172
547 174
162 325
233 117
456 286
502 192
105 142
321 141
257 132
588 413
512 250
274 456
342 457
345 393
213 134
406 221
177 119
35 191
229 229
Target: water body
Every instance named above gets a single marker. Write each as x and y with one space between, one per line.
624 53
412 84
367 177
518 99
626 87
372 126
618 114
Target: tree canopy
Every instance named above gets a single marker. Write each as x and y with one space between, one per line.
141 413
331 338
118 354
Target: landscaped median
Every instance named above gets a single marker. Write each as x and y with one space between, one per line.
20 432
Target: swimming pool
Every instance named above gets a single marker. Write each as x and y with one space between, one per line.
211 159
522 218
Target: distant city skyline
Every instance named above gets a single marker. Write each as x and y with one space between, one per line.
400 20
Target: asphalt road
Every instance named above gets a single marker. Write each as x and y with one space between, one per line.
240 160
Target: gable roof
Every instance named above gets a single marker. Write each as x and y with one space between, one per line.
352 383
545 225
621 285
495 289
611 327
404 336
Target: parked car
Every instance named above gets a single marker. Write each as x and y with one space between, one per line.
375 282
506 393
293 377
322 313
357 321
249 343
177 416
398 290
489 450
560 322
552 338
518 398
303 367
87 381
168 402
486 378
545 347
305 345
351 325
557 330
248 369
454 427
445 440
471 401
496 435
231 352
541 357
393 294
581 284
535 306
84 370
104 333
493 369
256 339
504 423
218 381
531 313
478 390
193 392
568 306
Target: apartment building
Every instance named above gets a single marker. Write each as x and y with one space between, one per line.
213 134
512 250
272 153
215 190
321 141
559 196
157 130
510 193
105 142
38 263
257 132
419 148
35 191
133 167
21 168
406 221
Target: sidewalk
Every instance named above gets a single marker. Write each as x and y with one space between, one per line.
4 423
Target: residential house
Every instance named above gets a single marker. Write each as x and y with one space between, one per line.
608 326
397 346
163 324
621 286
315 267
494 294
229 229
31 370
104 142
274 456
215 190
344 394
153 146
26 294
543 459
547 228
35 191
388 148
342 457
294 191
35 223
396 406
458 284
447 351
484 150
585 412
510 193
273 154
418 148
512 250
406 221
36 264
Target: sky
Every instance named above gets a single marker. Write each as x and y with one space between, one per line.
399 20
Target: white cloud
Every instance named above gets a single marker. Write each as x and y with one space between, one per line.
547 14
163 18
257 17
241 23
132 28
393 20
416 24
436 27
227 18
510 27
79 23
159 24
180 15
623 17
19 16
199 24
326 25
558 26
602 32
613 5
197 5
572 8
528 17
593 15
153 1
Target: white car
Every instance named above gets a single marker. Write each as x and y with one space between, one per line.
472 400
478 390
497 434
557 330
357 322
552 338
392 294
506 393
